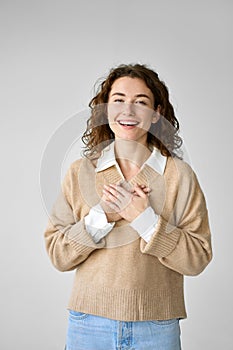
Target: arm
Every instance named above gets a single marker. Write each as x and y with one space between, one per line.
180 236
184 246
67 241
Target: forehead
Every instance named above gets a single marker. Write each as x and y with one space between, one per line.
130 85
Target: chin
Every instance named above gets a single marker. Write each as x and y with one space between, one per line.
131 138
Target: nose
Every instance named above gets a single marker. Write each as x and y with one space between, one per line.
128 109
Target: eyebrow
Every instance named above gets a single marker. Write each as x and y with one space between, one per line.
138 95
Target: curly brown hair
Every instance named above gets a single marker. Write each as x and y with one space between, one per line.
163 134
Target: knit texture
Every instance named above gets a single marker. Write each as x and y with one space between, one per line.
122 277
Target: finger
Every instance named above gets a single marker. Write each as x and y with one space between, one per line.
139 191
146 190
120 190
105 199
111 199
109 196
114 206
113 191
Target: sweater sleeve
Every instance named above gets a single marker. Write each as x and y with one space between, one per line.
66 239
183 244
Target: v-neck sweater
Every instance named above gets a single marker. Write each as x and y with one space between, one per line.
123 277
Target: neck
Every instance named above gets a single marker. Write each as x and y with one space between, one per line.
131 153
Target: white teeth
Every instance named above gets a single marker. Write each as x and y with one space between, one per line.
127 122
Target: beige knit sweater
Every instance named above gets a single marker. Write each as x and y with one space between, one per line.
123 277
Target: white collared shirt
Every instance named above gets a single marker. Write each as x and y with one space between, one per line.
96 222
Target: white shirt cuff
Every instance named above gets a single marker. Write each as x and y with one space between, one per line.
96 223
145 223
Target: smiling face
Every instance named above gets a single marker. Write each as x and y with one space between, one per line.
131 109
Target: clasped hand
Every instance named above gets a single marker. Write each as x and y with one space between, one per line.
126 204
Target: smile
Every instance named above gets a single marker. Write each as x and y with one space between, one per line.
128 122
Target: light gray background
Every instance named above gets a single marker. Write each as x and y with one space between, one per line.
52 52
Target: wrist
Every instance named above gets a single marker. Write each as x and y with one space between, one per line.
132 215
113 217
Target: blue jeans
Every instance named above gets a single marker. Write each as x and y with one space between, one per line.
89 332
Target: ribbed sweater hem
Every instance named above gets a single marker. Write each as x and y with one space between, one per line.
129 305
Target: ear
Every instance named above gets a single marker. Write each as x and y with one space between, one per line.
156 115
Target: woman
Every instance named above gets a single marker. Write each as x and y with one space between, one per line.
131 220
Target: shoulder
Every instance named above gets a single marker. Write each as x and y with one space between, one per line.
75 165
178 166
182 172
82 163
185 179
79 172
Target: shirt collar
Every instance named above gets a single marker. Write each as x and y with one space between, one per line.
107 159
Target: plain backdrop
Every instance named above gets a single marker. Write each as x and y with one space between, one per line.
52 53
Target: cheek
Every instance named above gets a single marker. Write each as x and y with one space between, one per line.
111 114
113 111
148 119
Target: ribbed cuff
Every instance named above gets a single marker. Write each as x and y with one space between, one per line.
163 241
81 240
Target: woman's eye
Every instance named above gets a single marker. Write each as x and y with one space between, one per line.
141 102
118 100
